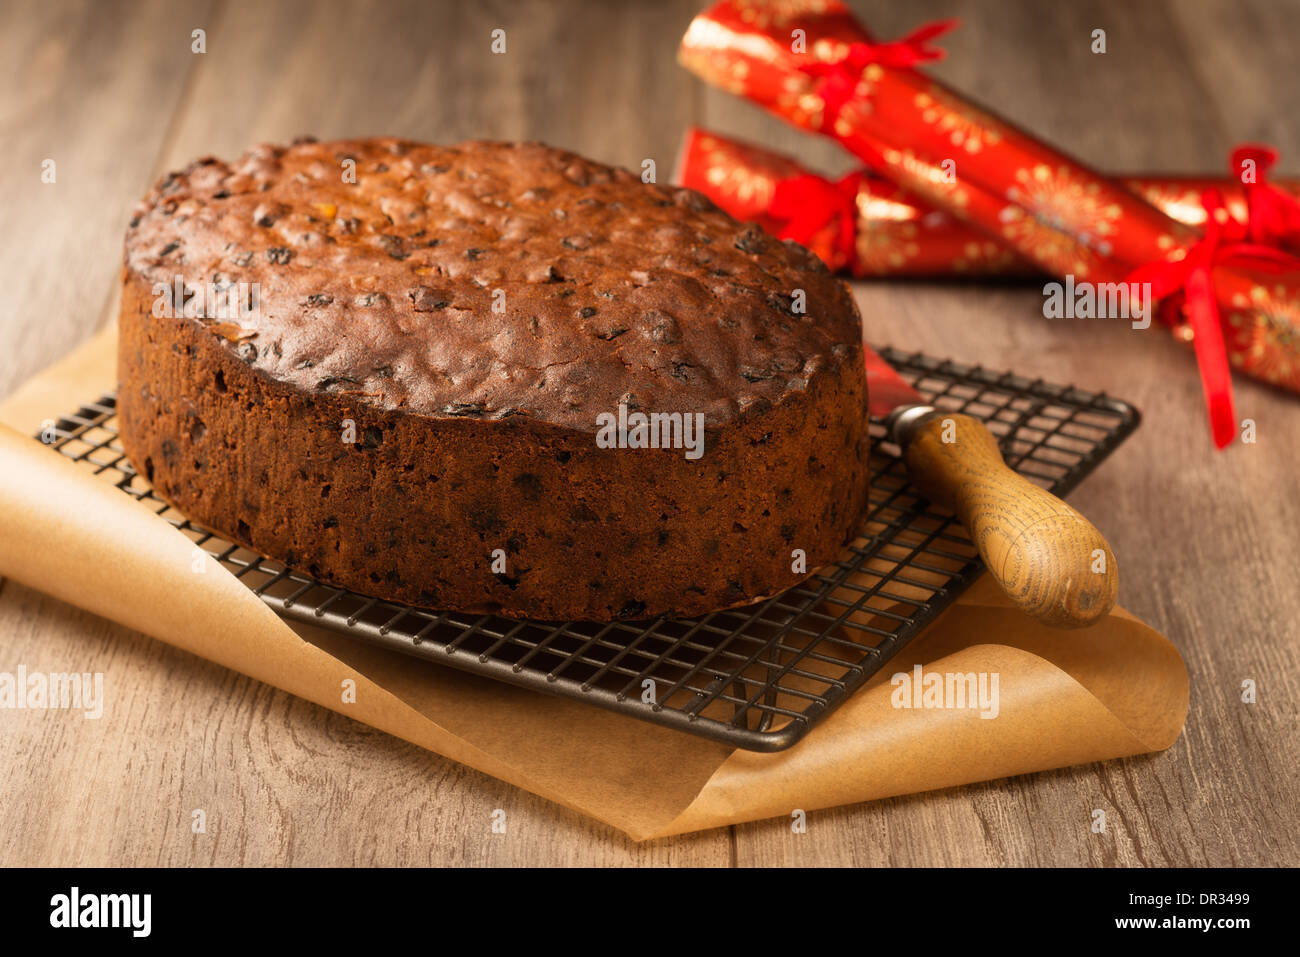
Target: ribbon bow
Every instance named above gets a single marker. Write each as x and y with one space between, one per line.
1273 214
839 78
807 204
1224 243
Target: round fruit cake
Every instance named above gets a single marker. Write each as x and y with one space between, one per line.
493 377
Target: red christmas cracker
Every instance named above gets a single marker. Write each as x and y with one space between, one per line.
865 226
813 64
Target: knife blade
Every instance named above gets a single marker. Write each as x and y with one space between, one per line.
886 389
1048 558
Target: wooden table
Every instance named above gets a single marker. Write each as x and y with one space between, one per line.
1208 543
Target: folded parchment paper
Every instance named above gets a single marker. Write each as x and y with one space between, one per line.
1116 689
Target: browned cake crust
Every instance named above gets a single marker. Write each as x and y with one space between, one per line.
465 314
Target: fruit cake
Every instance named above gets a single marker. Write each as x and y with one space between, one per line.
492 377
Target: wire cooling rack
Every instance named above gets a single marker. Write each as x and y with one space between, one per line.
757 677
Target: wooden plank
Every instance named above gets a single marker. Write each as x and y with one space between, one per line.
597 78
90 86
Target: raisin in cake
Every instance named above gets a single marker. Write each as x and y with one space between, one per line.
389 365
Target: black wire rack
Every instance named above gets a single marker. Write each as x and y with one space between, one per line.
757 677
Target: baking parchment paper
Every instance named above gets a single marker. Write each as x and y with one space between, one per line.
1118 688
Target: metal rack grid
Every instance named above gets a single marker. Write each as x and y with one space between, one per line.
757 677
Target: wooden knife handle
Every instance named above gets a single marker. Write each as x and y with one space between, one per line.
1046 556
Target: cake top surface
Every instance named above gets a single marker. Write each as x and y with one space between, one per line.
487 280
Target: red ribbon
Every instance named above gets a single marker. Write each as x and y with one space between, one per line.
1273 214
1190 276
807 204
839 78
1225 243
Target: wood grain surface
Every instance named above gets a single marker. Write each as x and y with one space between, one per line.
1208 542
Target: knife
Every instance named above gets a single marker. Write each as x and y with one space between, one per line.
1049 559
